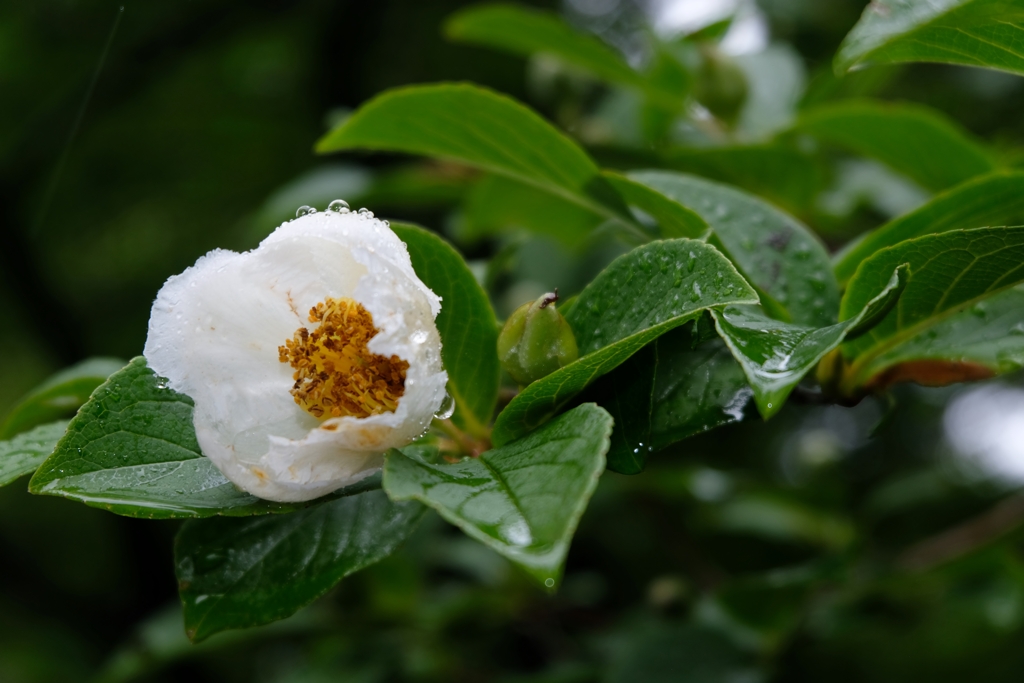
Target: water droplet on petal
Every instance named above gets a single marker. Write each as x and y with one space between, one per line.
365 213
447 408
338 206
418 337
304 210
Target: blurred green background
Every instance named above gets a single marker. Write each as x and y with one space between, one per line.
879 543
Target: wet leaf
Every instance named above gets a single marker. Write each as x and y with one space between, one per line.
475 126
132 450
468 328
22 454
529 32
673 219
984 340
776 253
993 199
786 176
639 297
984 33
523 499
775 356
236 573
919 142
60 395
499 205
667 392
949 273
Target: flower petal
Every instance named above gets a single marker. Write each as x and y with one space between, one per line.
215 330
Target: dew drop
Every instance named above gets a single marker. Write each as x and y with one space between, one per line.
338 206
691 262
365 213
418 337
304 211
695 295
447 408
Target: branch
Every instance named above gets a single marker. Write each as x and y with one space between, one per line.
1005 517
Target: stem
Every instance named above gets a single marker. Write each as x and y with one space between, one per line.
464 443
1005 517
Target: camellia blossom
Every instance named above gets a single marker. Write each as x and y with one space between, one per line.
307 358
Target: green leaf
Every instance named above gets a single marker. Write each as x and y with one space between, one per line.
478 127
418 186
235 573
667 392
919 142
784 175
637 298
984 33
984 340
132 450
22 454
523 499
526 32
469 330
59 396
674 219
949 272
775 356
772 516
994 199
498 204
778 254
682 652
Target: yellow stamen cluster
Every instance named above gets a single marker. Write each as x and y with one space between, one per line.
335 374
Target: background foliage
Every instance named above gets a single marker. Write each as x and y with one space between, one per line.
879 542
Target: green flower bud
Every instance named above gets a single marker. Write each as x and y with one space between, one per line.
536 341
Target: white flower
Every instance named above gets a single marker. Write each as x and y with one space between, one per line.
306 358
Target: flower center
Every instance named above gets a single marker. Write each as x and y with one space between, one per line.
335 374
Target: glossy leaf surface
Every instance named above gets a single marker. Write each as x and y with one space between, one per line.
984 340
949 272
523 499
60 395
666 392
673 219
636 299
994 199
985 33
498 205
132 450
468 328
236 573
527 32
22 454
481 128
778 254
775 356
779 172
919 142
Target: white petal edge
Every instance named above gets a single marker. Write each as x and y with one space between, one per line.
215 329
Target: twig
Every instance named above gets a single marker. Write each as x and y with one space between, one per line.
1003 518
